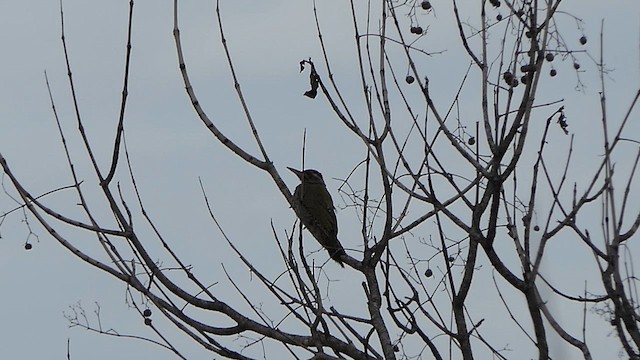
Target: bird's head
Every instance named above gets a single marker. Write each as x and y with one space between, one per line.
308 176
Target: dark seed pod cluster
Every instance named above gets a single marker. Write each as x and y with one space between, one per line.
510 79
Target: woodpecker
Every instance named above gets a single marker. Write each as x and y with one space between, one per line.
320 219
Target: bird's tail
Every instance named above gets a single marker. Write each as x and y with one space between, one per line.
336 253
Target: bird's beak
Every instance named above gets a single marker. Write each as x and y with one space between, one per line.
297 172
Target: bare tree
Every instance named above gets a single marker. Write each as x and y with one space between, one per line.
473 172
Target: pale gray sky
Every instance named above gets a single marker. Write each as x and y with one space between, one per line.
170 148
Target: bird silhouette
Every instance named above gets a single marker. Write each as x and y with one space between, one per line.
320 219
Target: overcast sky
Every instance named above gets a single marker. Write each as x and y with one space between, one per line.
170 148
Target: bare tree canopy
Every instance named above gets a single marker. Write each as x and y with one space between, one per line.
463 180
